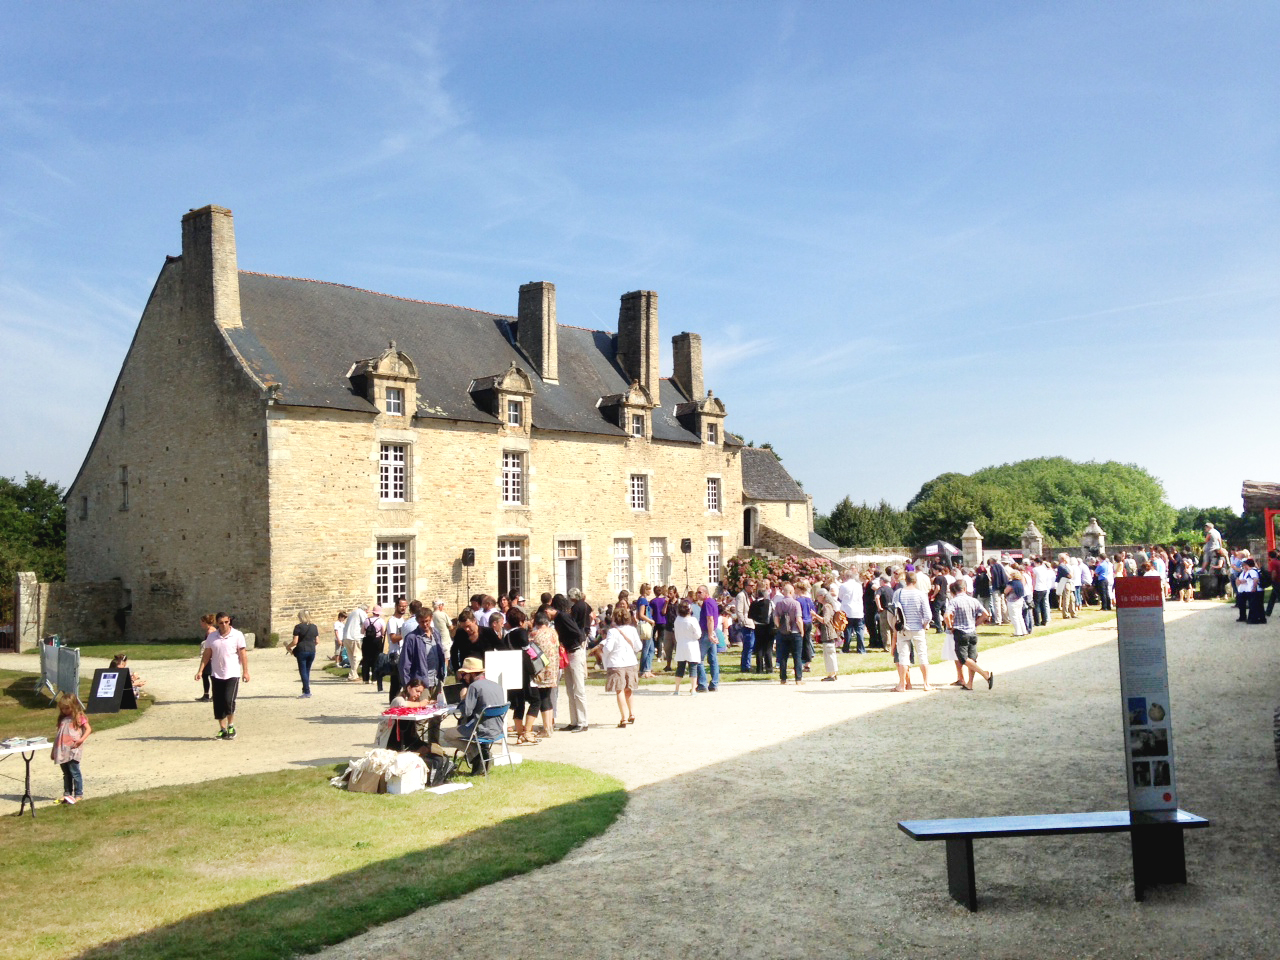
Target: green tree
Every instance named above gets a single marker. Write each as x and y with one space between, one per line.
1060 495
860 525
947 503
1189 524
33 529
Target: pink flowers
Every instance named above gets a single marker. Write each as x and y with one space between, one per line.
790 569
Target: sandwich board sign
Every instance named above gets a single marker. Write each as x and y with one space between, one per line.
1144 693
111 691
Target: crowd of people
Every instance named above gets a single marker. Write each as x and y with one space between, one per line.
411 650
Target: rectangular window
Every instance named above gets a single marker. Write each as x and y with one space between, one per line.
84 508
658 567
713 433
713 561
713 494
124 488
637 424
515 413
513 477
639 491
395 401
510 566
788 509
392 571
621 564
391 471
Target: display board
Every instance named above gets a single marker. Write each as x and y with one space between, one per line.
111 691
505 668
1144 693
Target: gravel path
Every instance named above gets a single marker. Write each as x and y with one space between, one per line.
762 820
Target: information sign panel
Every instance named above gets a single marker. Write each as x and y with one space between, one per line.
1144 693
111 691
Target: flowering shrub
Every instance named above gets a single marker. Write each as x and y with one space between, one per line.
788 569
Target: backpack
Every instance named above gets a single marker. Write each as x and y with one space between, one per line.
371 631
440 770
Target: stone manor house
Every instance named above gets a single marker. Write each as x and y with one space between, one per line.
275 444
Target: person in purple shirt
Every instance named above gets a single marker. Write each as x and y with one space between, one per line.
806 614
657 613
708 619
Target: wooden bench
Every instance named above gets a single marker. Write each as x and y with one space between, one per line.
1155 839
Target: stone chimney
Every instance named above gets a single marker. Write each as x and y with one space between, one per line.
638 339
210 275
687 348
536 331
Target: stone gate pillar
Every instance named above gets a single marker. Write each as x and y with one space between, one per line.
1032 541
1094 539
28 611
971 545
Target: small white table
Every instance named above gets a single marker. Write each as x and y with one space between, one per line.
28 751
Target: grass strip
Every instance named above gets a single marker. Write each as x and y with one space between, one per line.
275 865
26 712
155 650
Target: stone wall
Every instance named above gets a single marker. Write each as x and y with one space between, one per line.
184 434
78 612
789 519
783 546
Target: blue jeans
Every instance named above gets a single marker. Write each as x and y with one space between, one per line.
790 645
72 783
711 657
854 626
646 657
748 637
304 669
1040 607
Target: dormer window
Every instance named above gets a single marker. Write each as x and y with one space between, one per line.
637 424
388 381
515 413
395 401
713 433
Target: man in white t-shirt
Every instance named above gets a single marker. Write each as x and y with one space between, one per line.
352 638
223 651
849 598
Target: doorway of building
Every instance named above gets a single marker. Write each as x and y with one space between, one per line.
568 566
748 527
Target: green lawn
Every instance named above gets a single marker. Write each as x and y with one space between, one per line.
280 864
155 650
24 712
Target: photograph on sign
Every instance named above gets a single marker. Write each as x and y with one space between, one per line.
1137 711
1150 742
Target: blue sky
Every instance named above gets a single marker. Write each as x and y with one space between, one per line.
915 237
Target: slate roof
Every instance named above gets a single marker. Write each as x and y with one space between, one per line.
765 478
819 542
305 335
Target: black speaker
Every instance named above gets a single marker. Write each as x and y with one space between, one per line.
686 545
469 557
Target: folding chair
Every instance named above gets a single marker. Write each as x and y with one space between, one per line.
482 743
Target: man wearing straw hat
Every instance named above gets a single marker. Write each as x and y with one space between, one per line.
481 694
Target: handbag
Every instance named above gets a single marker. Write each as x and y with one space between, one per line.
537 658
564 657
